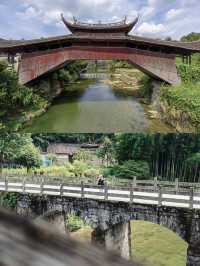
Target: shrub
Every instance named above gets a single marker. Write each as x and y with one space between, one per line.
130 169
74 223
146 87
184 97
189 74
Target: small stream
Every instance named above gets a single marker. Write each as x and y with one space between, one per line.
94 107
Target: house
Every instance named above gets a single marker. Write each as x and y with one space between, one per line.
65 152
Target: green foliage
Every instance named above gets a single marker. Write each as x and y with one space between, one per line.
184 97
29 156
79 168
194 159
74 223
83 155
19 148
106 151
193 36
65 75
70 72
166 154
133 147
10 145
8 200
146 87
130 169
189 74
57 170
15 99
52 157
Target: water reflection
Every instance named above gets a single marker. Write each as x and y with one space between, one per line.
95 108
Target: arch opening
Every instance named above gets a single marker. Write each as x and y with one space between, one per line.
155 244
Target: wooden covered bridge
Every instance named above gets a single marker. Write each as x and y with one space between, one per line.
98 42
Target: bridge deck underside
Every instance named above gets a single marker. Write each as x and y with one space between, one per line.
158 65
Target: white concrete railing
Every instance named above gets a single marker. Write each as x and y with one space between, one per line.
140 195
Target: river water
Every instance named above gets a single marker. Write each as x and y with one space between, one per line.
95 107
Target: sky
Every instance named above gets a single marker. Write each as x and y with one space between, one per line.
29 19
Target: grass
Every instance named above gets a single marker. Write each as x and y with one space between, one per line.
152 244
184 97
155 245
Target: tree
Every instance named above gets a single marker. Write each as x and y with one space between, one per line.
106 151
193 36
29 156
14 97
10 145
83 155
130 169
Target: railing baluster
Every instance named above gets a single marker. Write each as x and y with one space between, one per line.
135 181
41 188
155 184
61 189
131 193
176 185
159 196
191 198
6 184
24 186
82 189
106 191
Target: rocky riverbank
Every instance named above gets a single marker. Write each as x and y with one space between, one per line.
126 81
178 119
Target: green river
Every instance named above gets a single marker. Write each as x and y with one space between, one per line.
94 107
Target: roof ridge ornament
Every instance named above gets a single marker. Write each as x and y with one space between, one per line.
122 26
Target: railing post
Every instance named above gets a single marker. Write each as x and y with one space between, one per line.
131 193
82 189
61 190
176 184
159 196
155 184
191 197
106 191
134 181
6 184
41 187
24 185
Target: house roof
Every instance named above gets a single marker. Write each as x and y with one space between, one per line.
63 148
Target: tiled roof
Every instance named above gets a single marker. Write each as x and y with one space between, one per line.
67 39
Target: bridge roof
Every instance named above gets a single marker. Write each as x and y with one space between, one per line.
80 27
15 46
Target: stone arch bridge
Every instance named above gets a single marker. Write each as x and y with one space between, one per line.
157 58
109 210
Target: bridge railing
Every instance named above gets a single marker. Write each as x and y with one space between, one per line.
159 196
117 182
94 75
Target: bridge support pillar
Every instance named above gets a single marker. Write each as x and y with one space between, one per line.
117 238
59 221
193 239
193 255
